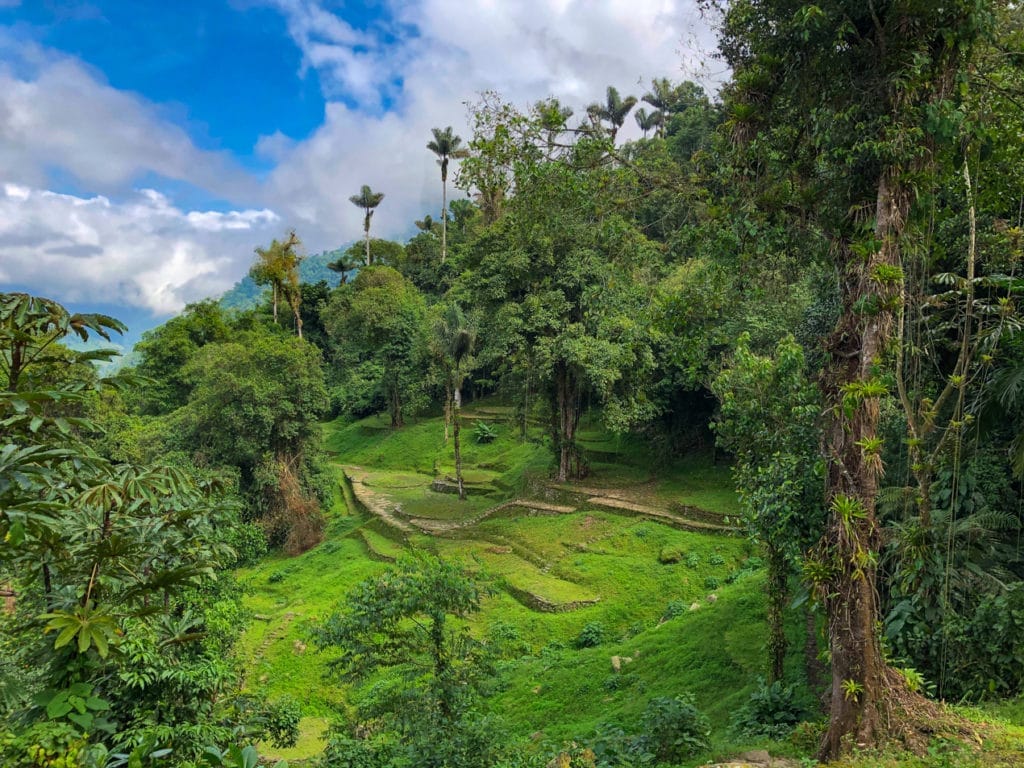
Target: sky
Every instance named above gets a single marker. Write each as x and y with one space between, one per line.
147 147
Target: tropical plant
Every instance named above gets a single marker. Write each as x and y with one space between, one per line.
368 200
446 145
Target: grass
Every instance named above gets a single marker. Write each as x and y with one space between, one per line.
661 616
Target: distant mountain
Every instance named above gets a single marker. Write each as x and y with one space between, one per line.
246 294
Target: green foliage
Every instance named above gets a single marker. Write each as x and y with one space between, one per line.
673 729
107 646
591 636
484 432
772 710
377 328
669 555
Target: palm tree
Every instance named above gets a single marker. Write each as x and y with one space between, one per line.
454 342
664 97
367 199
446 146
426 224
614 110
344 264
278 267
648 122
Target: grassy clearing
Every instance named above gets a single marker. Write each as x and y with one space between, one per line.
660 615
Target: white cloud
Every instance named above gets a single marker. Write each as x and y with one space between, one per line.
386 87
56 113
143 252
444 53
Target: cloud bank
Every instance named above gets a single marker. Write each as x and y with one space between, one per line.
385 86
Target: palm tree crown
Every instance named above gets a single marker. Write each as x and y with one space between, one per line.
367 199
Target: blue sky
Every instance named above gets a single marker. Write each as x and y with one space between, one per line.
147 147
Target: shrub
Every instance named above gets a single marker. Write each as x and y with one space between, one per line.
670 555
484 432
675 608
673 729
772 710
716 559
692 560
590 636
711 583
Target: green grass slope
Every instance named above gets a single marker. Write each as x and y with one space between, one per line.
682 610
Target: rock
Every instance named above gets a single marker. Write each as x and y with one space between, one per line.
712 598
616 664
759 756
536 689
300 647
694 606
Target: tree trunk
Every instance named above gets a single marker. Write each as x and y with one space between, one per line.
456 415
777 587
396 406
848 552
274 291
444 219
568 416
366 230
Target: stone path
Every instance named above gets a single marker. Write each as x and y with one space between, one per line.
609 498
375 501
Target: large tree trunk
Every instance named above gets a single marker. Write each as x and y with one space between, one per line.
568 417
862 691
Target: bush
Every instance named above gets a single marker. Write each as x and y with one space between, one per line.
675 608
669 555
711 583
692 560
716 559
484 432
772 710
249 542
590 636
673 729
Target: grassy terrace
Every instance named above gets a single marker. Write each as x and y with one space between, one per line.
695 624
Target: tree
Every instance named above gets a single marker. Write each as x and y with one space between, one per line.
108 645
614 110
376 325
561 283
647 122
368 200
767 419
453 344
445 145
409 621
278 266
841 90
254 406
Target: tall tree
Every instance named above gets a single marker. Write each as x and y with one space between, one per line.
454 341
615 109
445 145
647 122
843 89
278 266
368 200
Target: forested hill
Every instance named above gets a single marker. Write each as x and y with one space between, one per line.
246 294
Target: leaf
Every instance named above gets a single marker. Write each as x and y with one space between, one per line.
85 721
